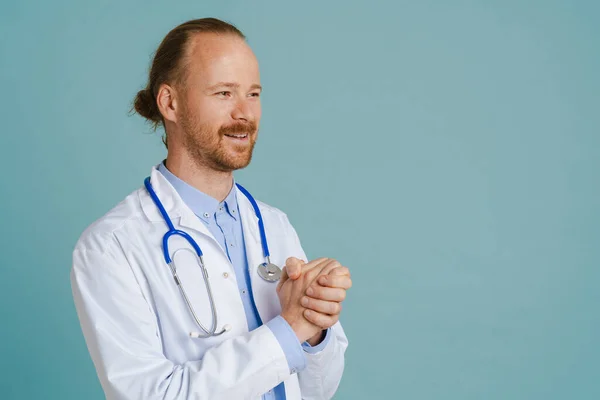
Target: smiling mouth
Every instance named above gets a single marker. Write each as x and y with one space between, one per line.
238 136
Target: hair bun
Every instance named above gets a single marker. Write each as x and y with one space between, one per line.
145 105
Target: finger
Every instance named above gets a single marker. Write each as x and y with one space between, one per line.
321 320
294 268
326 293
336 281
340 271
312 270
291 260
314 263
324 268
322 306
331 266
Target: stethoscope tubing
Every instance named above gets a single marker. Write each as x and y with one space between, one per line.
171 263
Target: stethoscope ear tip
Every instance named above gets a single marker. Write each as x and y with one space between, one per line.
227 327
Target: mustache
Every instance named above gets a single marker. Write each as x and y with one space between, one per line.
238 127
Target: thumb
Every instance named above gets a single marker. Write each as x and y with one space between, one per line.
293 267
281 280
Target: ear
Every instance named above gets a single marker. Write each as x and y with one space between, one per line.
166 99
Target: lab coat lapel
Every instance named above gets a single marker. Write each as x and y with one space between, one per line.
190 221
174 206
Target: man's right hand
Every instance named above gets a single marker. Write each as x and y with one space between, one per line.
291 291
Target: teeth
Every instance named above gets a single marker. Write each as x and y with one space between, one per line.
237 136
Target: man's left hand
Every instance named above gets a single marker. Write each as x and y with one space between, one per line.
324 296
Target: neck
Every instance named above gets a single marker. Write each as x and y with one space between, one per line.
216 184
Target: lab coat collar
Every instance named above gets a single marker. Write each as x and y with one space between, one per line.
172 202
202 204
176 208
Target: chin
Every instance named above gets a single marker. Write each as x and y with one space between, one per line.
235 163
240 165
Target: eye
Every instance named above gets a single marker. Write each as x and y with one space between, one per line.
255 94
224 93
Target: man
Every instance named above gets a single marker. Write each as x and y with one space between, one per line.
228 331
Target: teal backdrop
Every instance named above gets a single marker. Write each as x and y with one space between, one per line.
447 152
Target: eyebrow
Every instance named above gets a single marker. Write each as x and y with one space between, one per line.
233 86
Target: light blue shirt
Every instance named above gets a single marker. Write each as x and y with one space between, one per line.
224 223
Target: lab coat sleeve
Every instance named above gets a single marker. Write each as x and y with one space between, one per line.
122 335
323 373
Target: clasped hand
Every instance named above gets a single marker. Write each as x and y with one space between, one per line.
311 295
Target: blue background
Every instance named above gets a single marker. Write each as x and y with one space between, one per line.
447 152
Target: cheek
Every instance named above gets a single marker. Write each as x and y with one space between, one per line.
210 113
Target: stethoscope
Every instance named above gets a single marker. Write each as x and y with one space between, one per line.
268 271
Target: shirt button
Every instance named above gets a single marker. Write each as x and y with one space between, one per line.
206 215
231 244
225 275
243 291
233 211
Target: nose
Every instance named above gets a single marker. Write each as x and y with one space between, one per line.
242 111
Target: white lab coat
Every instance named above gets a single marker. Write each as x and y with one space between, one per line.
136 323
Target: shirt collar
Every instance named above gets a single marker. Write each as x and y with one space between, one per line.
203 205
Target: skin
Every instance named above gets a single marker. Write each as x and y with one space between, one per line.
321 286
219 95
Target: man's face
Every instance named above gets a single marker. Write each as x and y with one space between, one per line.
220 111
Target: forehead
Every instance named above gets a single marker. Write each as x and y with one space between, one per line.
212 58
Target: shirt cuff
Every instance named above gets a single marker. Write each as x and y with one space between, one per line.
288 341
315 349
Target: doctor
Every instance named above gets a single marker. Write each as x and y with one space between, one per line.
178 288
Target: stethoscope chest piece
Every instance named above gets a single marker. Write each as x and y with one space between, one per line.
269 272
